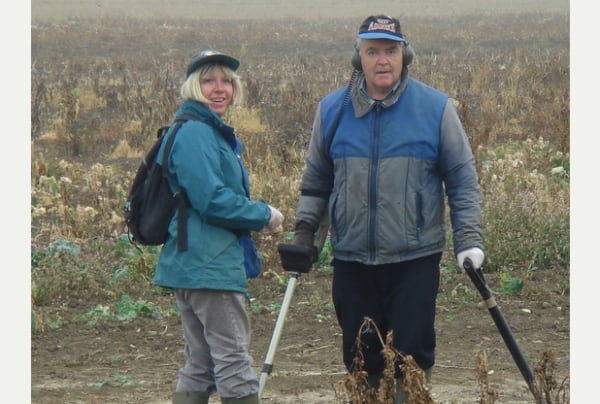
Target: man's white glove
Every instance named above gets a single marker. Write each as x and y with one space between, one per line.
275 222
475 254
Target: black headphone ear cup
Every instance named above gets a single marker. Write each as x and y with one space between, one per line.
408 54
356 60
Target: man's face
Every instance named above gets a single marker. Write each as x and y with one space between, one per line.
381 61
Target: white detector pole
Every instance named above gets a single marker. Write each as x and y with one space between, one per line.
268 364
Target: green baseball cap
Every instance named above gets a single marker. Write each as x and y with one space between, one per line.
211 56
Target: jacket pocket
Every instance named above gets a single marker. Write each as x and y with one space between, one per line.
252 259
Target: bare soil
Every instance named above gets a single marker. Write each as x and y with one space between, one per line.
137 361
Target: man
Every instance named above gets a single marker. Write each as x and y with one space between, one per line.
381 155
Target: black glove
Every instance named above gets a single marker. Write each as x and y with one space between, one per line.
301 253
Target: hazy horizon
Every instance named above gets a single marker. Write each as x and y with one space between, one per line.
44 10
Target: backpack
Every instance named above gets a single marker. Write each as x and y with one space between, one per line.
150 204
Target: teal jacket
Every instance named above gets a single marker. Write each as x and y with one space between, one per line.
205 161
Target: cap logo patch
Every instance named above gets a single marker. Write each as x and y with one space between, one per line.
387 26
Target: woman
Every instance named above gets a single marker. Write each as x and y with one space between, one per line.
209 278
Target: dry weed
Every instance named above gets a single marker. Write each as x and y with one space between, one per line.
543 385
487 394
355 388
547 384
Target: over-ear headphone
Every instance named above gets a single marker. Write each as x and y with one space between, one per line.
408 55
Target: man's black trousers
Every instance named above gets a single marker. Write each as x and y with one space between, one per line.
400 297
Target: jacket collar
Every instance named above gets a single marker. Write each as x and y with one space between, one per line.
363 102
209 117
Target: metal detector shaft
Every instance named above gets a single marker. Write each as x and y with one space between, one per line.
268 364
479 281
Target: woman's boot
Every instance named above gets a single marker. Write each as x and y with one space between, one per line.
251 399
190 397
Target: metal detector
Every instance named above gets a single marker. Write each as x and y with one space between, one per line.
298 259
295 259
477 278
268 364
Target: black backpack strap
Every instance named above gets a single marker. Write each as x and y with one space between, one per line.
182 205
180 196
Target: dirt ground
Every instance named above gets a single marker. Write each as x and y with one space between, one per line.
137 361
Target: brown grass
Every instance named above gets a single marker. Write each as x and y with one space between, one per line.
104 86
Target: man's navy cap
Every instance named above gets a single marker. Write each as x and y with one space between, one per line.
381 27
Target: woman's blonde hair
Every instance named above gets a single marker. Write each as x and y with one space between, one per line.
190 89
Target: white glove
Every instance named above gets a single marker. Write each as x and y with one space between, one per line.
275 221
475 254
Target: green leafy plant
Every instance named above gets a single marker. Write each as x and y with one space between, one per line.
511 285
117 380
128 309
464 292
96 314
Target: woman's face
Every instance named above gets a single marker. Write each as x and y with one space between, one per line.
218 90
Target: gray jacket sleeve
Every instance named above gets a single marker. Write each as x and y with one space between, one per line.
317 180
461 181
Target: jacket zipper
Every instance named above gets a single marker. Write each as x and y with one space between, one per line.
373 172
